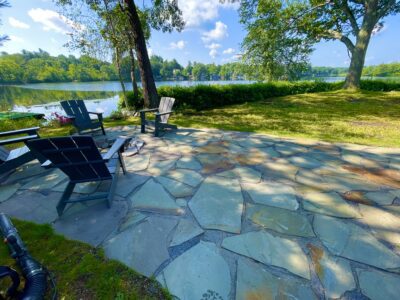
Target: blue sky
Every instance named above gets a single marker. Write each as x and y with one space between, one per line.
213 34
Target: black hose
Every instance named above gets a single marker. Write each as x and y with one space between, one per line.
35 275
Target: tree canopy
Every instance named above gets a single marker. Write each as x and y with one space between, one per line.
281 33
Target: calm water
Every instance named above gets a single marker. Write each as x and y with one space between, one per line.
100 96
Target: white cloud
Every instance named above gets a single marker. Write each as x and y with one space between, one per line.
213 49
16 39
228 51
218 33
52 20
150 51
195 12
177 45
17 24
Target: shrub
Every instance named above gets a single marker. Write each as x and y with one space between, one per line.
381 86
202 97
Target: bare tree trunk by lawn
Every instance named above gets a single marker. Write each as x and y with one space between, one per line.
121 79
148 84
133 77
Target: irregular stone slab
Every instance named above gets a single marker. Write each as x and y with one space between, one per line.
354 159
330 204
45 182
6 191
32 206
185 231
80 188
272 194
271 250
253 157
137 162
253 143
279 168
181 202
385 225
246 174
214 148
289 149
128 183
381 197
385 177
378 285
152 197
214 163
93 224
305 162
131 219
357 197
143 247
188 177
218 204
353 242
334 272
254 282
158 168
280 220
199 272
26 171
176 188
178 148
188 162
344 183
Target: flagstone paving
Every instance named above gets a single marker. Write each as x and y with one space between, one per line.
231 215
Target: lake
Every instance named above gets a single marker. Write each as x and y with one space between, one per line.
99 96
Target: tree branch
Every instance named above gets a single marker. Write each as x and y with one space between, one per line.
385 8
344 39
345 7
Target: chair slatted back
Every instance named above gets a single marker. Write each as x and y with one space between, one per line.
166 104
77 156
77 108
3 154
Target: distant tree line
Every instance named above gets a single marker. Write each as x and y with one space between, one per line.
40 66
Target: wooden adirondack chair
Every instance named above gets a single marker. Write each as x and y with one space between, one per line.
162 114
80 159
76 110
9 160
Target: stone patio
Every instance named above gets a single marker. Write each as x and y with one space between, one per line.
228 215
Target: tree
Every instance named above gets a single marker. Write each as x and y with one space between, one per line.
3 3
307 22
164 15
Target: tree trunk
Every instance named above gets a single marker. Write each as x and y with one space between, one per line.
121 80
353 77
149 86
133 77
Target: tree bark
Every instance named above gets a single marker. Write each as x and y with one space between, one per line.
148 84
359 51
121 80
133 77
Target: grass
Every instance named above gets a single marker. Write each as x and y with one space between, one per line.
370 118
362 117
81 271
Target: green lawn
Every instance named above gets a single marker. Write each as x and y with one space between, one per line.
371 118
81 271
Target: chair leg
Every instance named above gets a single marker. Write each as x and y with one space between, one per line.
65 197
157 126
113 186
122 162
142 122
102 129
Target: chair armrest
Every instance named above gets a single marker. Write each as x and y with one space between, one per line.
31 131
116 147
47 164
18 139
164 113
148 110
70 117
98 114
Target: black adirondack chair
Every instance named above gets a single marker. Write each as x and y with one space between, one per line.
76 110
80 159
162 114
9 160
